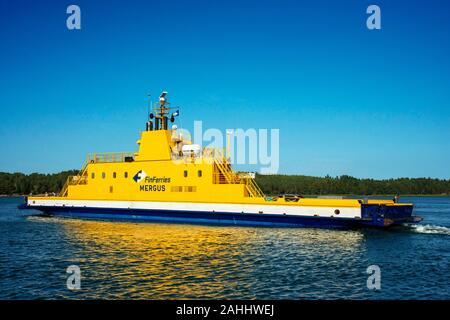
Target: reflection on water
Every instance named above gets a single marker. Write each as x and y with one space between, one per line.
186 261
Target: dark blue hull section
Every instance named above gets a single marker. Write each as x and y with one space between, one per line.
383 215
194 217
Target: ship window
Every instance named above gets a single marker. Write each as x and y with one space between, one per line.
199 173
103 175
185 173
337 211
125 174
114 175
92 175
190 189
111 189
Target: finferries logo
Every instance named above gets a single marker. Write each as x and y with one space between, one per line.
138 177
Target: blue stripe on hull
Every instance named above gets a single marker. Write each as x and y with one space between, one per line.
194 217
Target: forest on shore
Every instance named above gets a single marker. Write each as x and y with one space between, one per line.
347 185
34 183
38 183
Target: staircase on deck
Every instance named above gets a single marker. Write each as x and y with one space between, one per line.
225 175
80 178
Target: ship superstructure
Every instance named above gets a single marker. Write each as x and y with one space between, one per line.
171 179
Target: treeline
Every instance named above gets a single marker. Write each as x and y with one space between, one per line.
307 185
35 183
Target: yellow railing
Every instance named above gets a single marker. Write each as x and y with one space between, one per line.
253 188
81 177
226 175
109 157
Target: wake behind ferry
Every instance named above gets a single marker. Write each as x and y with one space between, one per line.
173 180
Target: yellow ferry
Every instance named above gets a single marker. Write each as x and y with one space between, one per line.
171 179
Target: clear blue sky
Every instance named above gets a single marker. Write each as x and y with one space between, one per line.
347 100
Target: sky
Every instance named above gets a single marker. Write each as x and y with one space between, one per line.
347 100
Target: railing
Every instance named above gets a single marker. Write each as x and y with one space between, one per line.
254 189
81 177
109 157
225 174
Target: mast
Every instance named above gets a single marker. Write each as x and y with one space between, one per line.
160 115
161 111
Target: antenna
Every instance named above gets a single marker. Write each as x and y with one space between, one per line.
149 116
149 104
228 148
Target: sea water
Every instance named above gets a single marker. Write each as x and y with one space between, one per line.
120 260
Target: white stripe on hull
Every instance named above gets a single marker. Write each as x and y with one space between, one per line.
344 212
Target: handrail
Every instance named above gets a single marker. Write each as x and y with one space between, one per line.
255 189
63 191
109 157
80 178
232 178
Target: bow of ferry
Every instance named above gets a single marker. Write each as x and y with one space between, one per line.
170 179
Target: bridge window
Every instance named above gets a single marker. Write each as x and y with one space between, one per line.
199 173
92 175
103 175
125 174
114 175
185 173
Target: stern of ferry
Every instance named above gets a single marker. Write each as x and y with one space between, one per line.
387 213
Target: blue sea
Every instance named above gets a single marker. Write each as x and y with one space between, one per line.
120 260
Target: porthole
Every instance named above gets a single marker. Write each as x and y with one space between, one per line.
337 211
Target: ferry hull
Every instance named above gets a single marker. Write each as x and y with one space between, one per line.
193 217
220 218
